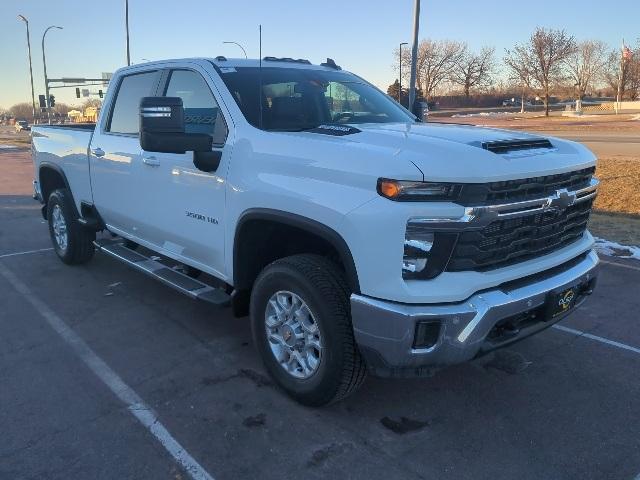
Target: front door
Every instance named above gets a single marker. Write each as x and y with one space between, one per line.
186 209
116 157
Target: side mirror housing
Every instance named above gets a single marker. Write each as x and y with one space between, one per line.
162 128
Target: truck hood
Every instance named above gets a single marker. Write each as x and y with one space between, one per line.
448 152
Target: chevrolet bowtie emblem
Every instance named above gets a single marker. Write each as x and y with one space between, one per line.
560 200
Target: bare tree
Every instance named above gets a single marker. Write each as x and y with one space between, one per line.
630 81
585 65
519 73
436 62
91 102
61 109
22 111
544 55
634 73
474 70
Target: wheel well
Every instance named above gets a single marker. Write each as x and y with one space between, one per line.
50 179
266 236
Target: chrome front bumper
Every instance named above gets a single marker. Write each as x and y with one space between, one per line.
384 331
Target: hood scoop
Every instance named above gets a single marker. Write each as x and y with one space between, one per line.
516 145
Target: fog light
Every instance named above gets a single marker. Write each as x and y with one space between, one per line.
427 334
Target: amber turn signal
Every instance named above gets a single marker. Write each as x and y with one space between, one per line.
389 188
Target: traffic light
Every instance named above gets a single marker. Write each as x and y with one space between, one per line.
100 93
77 93
52 101
43 101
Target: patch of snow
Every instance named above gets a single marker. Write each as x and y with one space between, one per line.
636 117
483 114
7 147
613 249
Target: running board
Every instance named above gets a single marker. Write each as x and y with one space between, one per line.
173 278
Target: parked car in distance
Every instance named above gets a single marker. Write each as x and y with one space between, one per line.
358 239
22 126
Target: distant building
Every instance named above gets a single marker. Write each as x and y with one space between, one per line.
90 115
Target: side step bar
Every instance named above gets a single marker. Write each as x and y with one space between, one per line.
177 280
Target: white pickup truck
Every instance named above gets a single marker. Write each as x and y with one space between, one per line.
357 238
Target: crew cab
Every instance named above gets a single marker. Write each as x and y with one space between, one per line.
356 237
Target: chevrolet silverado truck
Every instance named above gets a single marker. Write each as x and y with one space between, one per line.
357 238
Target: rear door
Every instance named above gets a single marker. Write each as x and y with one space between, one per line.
186 206
116 160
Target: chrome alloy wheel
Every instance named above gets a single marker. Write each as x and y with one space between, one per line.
293 334
59 228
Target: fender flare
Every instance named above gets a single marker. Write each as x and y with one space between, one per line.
303 223
58 169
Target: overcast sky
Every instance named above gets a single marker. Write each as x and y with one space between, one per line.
359 34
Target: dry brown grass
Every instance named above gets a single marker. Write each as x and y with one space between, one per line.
619 189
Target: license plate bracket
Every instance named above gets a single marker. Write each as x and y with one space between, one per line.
561 301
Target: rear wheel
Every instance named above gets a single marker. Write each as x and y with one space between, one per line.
72 242
301 325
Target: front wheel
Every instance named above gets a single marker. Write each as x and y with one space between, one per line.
72 242
301 325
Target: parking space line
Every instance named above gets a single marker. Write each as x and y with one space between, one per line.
622 265
597 338
6 255
136 406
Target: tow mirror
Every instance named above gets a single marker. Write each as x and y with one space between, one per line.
162 130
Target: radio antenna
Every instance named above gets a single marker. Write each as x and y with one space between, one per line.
260 74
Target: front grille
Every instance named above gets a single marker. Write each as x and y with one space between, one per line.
509 241
524 189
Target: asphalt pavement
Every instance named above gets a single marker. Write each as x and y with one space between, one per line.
105 373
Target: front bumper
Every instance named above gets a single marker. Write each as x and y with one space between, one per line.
384 331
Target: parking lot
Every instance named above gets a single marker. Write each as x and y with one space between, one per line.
105 373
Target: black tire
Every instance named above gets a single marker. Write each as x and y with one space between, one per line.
321 285
79 246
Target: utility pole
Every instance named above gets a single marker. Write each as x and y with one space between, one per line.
46 81
400 75
126 22
33 95
414 55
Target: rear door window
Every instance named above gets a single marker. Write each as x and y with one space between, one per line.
125 113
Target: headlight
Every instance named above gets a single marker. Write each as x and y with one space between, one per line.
426 253
410 191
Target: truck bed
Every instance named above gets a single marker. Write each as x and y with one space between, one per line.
64 148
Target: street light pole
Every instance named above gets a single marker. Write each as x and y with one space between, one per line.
126 23
241 47
400 75
33 96
414 55
46 80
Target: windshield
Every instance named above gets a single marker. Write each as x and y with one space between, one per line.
295 99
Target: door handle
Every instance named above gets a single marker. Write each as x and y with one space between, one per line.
151 161
98 152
